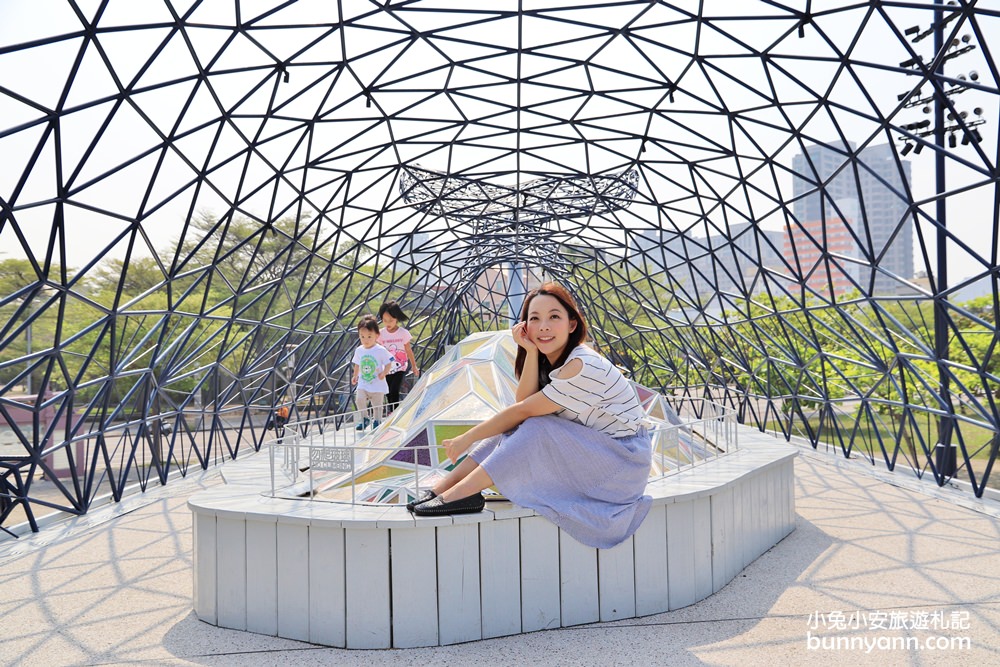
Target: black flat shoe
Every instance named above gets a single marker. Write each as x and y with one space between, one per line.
437 507
424 497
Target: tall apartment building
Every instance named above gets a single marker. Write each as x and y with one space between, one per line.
738 257
866 196
703 266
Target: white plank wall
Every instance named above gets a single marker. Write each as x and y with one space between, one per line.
327 584
616 581
784 502
651 564
680 554
751 494
703 548
500 577
293 582
414 587
206 555
578 582
757 520
773 512
723 542
766 521
539 574
375 578
741 516
232 575
366 561
262 575
789 501
459 608
763 514
736 532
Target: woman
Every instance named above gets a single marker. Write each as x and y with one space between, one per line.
573 447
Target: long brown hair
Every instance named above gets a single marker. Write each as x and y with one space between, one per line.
577 336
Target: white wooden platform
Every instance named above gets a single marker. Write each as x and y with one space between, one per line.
378 577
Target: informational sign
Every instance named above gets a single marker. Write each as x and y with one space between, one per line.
332 459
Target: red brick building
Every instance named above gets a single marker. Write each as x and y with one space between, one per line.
820 250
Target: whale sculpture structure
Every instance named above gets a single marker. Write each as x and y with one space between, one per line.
472 381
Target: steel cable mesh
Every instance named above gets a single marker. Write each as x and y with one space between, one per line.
199 199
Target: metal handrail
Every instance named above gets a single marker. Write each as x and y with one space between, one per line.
718 430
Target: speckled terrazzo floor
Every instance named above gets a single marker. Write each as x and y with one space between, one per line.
895 561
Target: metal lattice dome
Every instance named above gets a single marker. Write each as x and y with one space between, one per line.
789 208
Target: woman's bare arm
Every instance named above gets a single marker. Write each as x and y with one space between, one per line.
527 384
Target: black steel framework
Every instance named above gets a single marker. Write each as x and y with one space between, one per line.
198 200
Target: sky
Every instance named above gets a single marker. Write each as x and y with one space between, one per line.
428 128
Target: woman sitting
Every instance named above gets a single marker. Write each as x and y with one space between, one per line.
573 447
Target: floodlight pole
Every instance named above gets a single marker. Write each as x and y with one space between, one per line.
946 459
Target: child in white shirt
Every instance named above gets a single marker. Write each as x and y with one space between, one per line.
372 363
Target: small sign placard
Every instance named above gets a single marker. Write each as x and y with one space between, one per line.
332 459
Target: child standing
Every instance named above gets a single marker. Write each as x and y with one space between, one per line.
372 363
396 339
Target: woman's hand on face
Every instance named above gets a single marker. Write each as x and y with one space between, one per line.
454 448
520 331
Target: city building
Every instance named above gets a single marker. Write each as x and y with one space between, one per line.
719 263
863 194
822 252
736 259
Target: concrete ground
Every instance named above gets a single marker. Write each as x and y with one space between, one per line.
869 567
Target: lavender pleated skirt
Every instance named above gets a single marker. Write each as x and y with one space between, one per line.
586 482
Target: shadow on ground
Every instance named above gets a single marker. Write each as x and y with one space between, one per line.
120 593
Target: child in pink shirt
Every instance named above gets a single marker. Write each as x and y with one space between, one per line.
396 339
